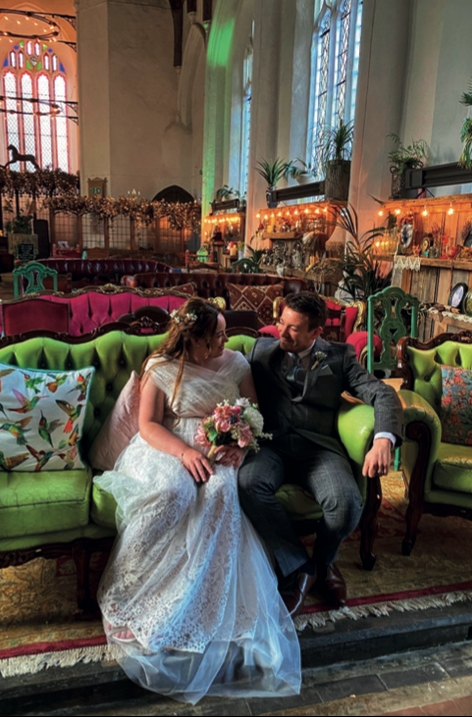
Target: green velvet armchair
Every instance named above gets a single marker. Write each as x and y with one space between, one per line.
437 475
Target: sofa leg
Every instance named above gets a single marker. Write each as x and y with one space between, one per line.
413 517
369 524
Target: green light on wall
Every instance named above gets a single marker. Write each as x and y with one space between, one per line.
220 43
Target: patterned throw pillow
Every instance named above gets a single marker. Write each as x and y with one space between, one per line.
255 298
188 288
41 418
456 405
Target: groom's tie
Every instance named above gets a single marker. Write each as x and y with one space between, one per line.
296 373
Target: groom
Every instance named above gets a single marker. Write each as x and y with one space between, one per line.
299 380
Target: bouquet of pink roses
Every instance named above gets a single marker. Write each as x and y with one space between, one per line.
239 424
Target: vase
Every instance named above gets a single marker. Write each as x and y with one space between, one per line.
271 204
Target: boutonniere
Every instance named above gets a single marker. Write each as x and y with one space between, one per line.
319 357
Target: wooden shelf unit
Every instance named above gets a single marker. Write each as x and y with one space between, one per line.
435 279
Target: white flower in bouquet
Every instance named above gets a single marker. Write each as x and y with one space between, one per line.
254 418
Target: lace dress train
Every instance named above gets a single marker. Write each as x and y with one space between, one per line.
188 575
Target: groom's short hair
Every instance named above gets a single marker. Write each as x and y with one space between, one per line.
311 304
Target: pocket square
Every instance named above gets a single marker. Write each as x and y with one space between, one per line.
325 371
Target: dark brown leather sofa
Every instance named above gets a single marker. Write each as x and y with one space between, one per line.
96 272
211 284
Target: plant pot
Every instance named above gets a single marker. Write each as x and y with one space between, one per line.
338 172
270 203
304 178
398 186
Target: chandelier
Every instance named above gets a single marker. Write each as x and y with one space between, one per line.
39 27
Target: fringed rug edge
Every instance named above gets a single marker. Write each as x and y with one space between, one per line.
31 664
381 609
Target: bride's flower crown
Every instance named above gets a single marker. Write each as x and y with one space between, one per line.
187 319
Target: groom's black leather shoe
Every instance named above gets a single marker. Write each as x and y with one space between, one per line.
332 586
295 599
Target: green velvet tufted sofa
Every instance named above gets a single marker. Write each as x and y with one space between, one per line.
55 513
438 475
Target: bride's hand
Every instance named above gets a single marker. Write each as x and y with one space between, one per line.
230 455
196 464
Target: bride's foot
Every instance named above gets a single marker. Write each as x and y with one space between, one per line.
120 634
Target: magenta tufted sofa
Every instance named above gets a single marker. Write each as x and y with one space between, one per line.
86 272
88 310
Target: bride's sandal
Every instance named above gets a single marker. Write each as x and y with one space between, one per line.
120 634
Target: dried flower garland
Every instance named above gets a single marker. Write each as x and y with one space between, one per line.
180 216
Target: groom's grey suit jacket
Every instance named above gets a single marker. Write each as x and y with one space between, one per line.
312 413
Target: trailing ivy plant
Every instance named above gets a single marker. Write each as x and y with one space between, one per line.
410 156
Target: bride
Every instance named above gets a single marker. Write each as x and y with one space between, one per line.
189 598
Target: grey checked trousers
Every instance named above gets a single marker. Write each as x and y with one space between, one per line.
323 473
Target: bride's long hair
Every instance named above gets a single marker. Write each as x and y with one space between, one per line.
196 319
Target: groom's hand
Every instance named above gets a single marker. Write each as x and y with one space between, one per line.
230 455
196 464
377 460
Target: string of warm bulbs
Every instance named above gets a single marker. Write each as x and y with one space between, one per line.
424 213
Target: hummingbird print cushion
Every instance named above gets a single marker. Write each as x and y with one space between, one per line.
41 418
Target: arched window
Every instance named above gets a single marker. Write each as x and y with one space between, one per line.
335 66
246 119
35 89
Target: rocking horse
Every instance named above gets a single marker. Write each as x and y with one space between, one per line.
17 157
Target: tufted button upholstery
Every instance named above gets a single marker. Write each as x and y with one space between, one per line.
101 271
211 284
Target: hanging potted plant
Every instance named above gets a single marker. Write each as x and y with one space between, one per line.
403 157
336 154
273 173
301 171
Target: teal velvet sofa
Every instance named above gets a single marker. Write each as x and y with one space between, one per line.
437 474
53 513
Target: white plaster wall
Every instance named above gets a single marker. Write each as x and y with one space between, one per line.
380 102
146 139
139 129
440 69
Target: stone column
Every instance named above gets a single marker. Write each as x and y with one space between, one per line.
128 96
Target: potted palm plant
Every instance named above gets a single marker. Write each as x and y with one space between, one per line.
403 157
336 159
273 172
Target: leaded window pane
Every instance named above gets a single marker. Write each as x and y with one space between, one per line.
341 58
29 139
61 124
321 93
13 130
355 63
45 128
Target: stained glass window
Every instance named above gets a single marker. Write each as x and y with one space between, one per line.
335 67
28 118
61 123
35 88
45 122
9 83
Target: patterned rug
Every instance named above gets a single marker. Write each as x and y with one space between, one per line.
40 627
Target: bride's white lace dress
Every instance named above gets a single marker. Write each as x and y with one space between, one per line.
188 575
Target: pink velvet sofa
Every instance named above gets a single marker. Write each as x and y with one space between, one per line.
87 309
